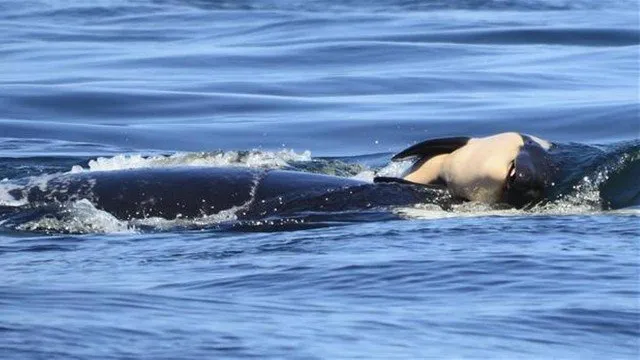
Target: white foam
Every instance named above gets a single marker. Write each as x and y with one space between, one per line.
470 209
632 211
162 224
6 199
393 169
253 159
467 209
366 176
22 185
78 217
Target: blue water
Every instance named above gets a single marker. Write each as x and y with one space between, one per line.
334 89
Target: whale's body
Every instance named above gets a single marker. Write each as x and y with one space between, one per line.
180 191
191 192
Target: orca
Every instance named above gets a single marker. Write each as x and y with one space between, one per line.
193 192
510 168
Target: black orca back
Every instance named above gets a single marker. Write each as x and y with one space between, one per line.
182 191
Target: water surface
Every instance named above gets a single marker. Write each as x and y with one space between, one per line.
332 89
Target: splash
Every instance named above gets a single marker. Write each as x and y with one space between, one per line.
594 190
466 209
12 192
206 221
78 217
392 169
6 197
252 159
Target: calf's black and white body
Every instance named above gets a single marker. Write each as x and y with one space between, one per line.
509 168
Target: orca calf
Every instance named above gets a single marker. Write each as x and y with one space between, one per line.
508 168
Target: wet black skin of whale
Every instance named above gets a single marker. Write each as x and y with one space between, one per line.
191 192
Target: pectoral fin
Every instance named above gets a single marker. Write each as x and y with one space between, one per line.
395 180
433 147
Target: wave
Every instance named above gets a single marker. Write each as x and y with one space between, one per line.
121 10
386 5
249 159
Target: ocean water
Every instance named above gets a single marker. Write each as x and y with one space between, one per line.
335 89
